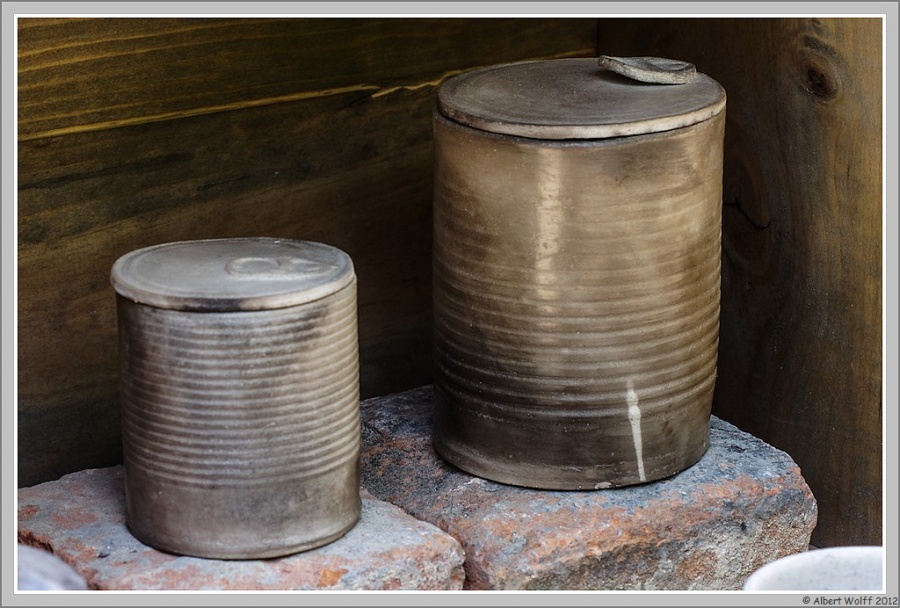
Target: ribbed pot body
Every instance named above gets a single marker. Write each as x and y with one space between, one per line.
576 303
241 429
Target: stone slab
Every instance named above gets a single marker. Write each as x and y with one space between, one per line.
709 527
80 518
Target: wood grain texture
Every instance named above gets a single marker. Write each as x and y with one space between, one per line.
77 74
140 131
800 353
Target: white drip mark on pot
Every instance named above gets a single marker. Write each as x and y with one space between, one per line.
634 417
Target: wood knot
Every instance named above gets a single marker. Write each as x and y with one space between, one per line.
818 68
818 81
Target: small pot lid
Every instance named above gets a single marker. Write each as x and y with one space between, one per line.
227 275
581 98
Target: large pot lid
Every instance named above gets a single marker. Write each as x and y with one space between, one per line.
581 98
226 275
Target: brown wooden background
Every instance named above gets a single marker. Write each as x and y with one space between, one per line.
139 131
800 341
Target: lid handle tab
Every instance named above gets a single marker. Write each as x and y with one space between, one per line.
656 70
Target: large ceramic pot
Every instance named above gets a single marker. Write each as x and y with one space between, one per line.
577 257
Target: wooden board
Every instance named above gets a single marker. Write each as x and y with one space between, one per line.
140 131
101 73
800 353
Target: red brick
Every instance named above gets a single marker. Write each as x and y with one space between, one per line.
80 518
709 527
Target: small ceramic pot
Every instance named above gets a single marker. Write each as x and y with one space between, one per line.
240 396
856 568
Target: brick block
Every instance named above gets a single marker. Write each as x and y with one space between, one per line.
80 518
742 505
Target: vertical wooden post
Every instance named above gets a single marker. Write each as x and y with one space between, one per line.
800 353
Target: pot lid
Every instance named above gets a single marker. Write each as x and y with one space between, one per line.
581 98
225 275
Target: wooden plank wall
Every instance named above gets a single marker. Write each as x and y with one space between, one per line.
139 131
800 360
